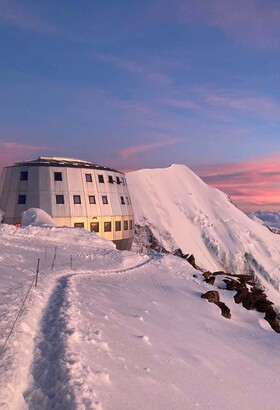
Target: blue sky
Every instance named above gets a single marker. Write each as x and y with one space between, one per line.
145 84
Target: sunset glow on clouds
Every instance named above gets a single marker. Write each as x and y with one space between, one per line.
251 185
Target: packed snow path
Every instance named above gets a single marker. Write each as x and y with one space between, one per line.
51 366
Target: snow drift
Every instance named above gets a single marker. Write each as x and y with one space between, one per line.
182 211
36 217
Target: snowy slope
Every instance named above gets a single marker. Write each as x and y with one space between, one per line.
123 331
175 203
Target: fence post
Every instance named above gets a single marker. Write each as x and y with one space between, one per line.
37 273
54 257
71 262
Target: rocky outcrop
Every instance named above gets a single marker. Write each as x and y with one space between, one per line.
213 297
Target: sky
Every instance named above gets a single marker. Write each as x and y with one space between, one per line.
146 84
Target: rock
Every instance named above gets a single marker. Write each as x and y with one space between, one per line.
212 296
207 274
220 272
248 301
270 315
263 305
210 280
232 284
225 311
241 293
191 260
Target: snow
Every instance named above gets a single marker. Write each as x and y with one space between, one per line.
108 329
201 220
36 217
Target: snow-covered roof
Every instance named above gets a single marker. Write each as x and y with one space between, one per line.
63 162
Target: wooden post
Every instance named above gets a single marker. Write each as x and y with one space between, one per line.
54 257
71 262
37 272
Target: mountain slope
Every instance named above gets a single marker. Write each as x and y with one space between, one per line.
179 208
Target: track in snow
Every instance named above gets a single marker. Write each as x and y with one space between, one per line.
51 367
53 385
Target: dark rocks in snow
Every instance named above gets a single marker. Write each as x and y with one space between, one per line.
213 297
190 258
251 296
225 311
207 274
210 280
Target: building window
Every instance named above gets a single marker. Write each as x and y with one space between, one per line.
118 180
123 180
122 200
104 199
110 179
57 176
22 199
101 179
94 226
24 176
77 199
131 224
59 199
107 226
125 225
118 225
127 200
79 225
88 177
91 199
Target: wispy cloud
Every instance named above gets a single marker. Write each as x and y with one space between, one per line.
26 147
251 22
144 71
137 149
183 104
260 105
16 14
252 185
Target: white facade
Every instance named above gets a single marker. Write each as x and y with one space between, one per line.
73 192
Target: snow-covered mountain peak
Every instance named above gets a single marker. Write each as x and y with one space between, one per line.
182 211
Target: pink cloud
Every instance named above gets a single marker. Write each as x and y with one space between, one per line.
127 152
260 105
183 104
252 185
12 151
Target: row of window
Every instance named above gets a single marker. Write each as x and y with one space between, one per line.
94 226
88 177
76 199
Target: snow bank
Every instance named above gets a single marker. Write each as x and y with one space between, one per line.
36 217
